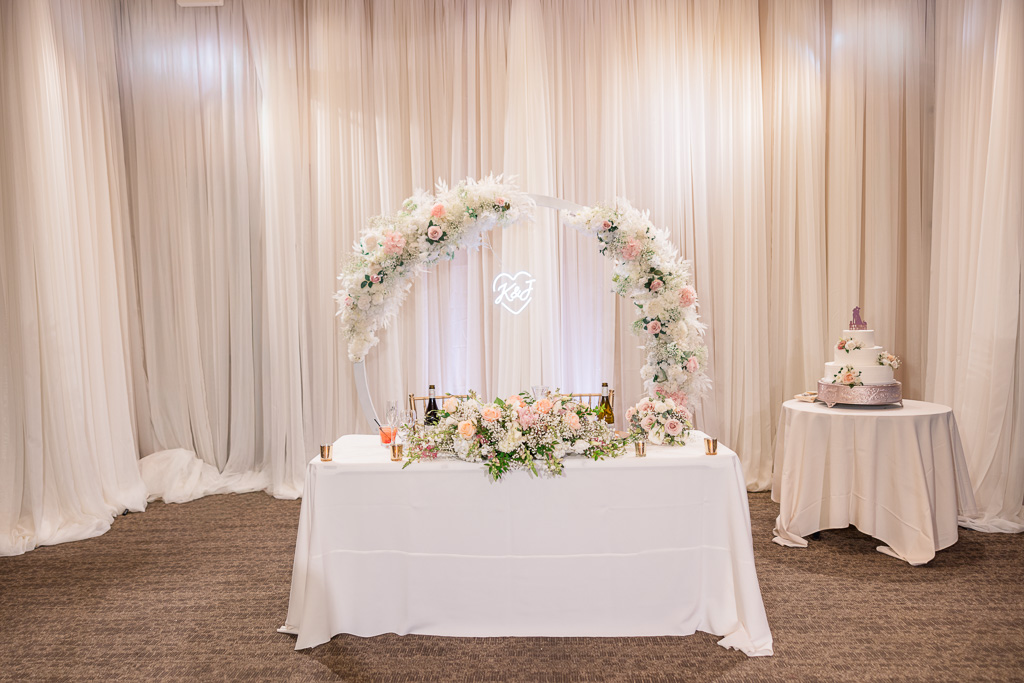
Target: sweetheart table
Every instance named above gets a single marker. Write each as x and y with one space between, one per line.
625 547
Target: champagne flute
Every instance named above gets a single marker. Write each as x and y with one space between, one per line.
407 420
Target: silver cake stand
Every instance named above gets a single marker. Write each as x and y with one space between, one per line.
865 395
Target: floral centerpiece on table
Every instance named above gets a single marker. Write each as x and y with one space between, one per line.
520 432
660 421
848 375
849 344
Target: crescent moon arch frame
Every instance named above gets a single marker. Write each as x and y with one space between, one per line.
393 250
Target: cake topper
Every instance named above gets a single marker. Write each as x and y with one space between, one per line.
857 323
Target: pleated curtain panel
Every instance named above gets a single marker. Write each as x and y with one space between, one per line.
178 188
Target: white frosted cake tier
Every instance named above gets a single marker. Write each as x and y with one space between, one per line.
866 356
869 374
865 337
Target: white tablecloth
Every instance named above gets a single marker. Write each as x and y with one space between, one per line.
897 474
626 547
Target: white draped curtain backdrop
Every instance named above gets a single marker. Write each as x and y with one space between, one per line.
179 186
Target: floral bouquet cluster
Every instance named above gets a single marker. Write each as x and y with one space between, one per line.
849 344
649 271
520 432
660 421
393 249
848 375
888 359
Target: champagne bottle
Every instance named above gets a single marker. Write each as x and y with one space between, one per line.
604 408
431 414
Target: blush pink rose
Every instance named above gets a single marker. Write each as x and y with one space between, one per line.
375 279
467 429
572 420
630 413
645 405
500 201
656 285
605 225
687 296
527 418
515 399
678 397
490 413
543 406
654 327
450 405
647 423
691 364
438 211
673 427
631 250
847 378
394 243
434 232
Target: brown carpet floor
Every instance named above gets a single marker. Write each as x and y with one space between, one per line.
197 592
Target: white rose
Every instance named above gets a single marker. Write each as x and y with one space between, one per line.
660 407
370 241
646 373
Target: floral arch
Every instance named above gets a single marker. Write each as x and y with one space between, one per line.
393 250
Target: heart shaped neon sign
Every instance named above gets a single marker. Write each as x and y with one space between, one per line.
515 292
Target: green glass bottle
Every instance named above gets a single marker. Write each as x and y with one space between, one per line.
604 408
431 416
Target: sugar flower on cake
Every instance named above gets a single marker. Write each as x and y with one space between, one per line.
889 360
848 375
849 344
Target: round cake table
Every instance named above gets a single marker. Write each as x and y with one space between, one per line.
896 473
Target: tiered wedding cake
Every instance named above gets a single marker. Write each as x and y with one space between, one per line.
860 372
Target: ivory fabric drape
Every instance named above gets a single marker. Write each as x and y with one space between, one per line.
67 447
974 363
180 185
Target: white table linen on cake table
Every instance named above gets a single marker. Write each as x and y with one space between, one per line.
897 474
625 547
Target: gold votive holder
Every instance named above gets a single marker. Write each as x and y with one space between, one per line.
325 452
641 449
711 446
396 452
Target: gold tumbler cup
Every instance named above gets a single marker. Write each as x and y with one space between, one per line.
396 452
325 452
641 449
711 446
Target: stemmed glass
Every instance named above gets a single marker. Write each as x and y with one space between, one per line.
407 419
